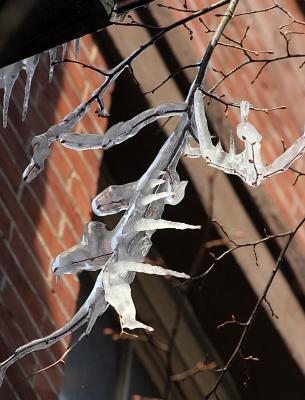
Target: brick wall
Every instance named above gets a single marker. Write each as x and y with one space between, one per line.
41 219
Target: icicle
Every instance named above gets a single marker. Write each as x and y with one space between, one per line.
9 76
30 66
246 131
125 266
192 152
52 54
232 149
146 224
76 47
203 133
155 182
218 149
154 197
64 51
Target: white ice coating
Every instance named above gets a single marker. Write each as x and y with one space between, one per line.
118 292
118 133
124 130
125 266
192 152
121 131
248 164
154 197
41 143
92 252
147 224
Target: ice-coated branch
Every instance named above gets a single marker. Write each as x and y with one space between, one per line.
117 254
248 164
118 133
94 306
37 165
121 131
91 254
41 143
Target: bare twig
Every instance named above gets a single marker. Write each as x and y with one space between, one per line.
233 321
200 366
253 315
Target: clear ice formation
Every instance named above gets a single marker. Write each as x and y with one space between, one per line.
52 55
118 133
41 143
92 252
8 77
10 73
248 164
119 253
76 48
30 67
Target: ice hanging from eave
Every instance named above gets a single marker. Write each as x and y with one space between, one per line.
30 67
10 73
8 77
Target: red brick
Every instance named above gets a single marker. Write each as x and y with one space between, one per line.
69 237
62 197
5 224
28 295
29 264
7 391
34 204
15 148
42 387
10 169
81 199
11 203
60 161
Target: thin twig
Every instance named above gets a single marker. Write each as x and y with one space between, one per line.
256 308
